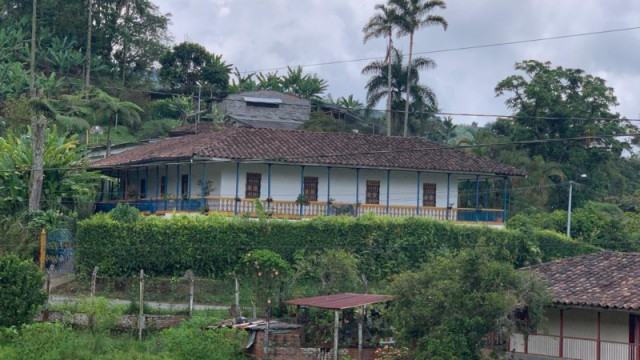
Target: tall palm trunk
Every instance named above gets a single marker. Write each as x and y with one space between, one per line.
389 50
88 78
406 105
37 128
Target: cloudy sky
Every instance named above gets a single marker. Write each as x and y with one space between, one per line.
267 34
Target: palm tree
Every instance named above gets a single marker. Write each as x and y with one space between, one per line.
413 15
382 24
421 96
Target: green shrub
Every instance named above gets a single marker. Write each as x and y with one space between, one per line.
190 343
20 291
125 213
215 245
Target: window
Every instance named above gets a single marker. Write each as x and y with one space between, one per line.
311 188
143 188
373 192
252 190
185 186
428 194
163 186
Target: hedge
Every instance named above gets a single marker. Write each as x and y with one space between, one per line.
214 246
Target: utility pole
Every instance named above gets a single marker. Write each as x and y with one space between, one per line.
88 77
569 210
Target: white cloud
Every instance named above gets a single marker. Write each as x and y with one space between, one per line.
265 34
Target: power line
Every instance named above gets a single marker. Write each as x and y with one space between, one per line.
481 46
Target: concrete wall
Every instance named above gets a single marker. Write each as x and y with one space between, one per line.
291 107
580 323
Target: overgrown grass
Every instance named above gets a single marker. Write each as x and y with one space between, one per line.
57 341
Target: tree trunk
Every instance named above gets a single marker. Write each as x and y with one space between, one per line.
406 105
32 62
124 42
38 124
88 79
37 128
389 55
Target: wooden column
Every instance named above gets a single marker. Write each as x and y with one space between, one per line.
336 329
598 339
561 345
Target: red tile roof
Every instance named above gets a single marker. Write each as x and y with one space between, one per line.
603 279
340 301
301 147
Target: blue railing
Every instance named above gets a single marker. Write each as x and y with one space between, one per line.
153 206
480 215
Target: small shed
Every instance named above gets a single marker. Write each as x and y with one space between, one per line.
337 303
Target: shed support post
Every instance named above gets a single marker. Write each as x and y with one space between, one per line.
237 199
357 191
388 188
360 320
336 329
329 191
448 195
477 197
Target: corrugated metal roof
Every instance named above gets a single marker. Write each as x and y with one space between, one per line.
261 100
340 301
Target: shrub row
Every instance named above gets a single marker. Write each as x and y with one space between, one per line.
213 246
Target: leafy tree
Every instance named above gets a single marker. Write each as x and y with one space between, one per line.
412 16
321 122
422 97
381 25
551 103
20 291
336 270
267 272
64 163
244 82
189 63
452 303
307 86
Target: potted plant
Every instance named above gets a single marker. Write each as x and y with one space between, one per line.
302 199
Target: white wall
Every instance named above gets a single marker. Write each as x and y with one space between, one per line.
614 326
580 323
285 182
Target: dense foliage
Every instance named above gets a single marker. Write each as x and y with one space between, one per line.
20 291
215 245
448 306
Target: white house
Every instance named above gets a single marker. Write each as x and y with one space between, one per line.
298 173
595 313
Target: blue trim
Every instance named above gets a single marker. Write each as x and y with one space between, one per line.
157 181
418 193
357 191
146 180
138 182
477 196
204 181
486 193
468 205
301 187
177 182
328 190
269 186
166 186
504 206
102 190
189 182
448 193
388 188
235 209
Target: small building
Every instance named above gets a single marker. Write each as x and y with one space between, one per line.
298 174
595 313
266 109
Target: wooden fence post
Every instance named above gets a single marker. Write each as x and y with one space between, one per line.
45 314
94 275
238 311
140 315
43 248
189 275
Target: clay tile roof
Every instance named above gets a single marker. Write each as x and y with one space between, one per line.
603 279
302 147
340 301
